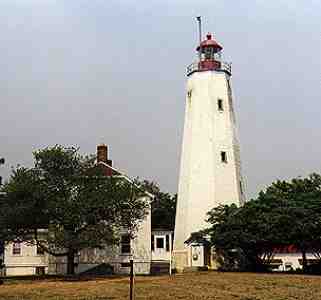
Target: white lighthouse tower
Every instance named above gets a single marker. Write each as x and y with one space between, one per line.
210 171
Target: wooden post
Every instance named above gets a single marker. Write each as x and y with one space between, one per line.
131 288
170 254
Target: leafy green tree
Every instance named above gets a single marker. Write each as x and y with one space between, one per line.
296 208
243 237
286 213
68 195
163 206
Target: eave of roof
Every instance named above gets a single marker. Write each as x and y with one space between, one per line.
127 178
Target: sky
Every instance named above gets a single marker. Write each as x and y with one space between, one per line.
80 73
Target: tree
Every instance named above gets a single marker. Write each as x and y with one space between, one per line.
163 206
68 195
286 213
243 237
297 211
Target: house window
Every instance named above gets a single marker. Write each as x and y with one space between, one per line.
167 242
16 248
160 243
152 243
223 157
125 244
220 104
40 251
40 271
125 265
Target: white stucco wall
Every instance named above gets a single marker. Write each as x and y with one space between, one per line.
205 181
24 263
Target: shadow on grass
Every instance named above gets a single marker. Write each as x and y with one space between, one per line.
57 298
64 278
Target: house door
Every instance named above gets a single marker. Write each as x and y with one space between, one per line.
197 253
160 247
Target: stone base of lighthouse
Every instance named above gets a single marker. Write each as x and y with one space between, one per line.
180 260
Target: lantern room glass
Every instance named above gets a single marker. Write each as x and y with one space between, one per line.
210 53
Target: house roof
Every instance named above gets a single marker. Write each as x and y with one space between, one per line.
117 173
210 43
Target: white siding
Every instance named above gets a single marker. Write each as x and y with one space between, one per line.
24 263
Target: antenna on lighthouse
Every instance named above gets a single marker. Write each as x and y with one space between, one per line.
199 20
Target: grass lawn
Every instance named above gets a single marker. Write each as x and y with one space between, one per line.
204 285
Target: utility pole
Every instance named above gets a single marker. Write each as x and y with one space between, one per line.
131 280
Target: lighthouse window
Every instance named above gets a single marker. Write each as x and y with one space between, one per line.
220 104
189 94
223 157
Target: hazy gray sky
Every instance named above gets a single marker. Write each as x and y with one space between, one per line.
79 72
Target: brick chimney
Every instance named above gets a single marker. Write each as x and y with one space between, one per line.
102 154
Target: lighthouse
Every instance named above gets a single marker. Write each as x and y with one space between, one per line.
210 167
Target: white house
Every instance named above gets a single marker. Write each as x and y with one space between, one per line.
24 259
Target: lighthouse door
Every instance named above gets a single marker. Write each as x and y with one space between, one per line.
197 253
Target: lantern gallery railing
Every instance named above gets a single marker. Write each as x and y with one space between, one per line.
194 67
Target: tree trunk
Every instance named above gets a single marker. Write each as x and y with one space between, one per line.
71 263
304 261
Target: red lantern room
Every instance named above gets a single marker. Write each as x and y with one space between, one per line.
210 54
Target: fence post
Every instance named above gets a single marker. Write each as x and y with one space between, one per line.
131 288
